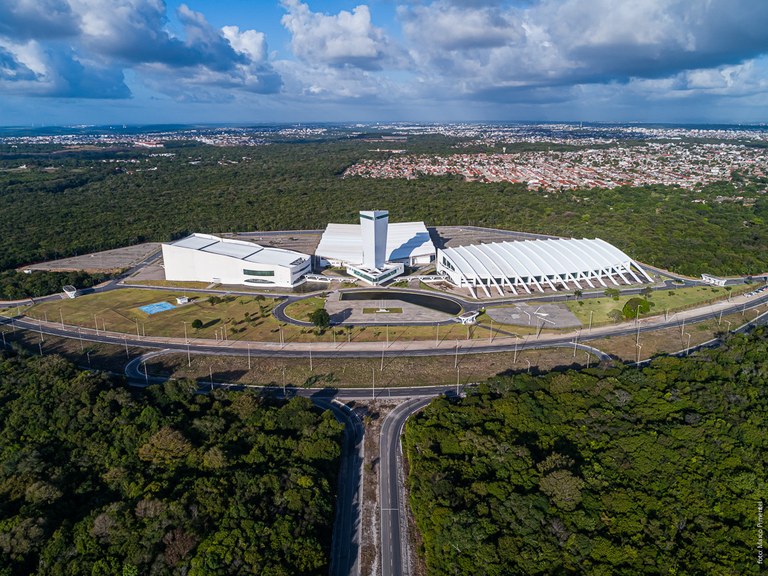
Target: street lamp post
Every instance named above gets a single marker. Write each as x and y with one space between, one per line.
249 355
529 366
639 347
61 317
591 312
456 360
186 340
457 381
688 347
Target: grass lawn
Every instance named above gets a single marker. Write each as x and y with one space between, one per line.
667 340
362 372
233 318
303 308
669 300
118 310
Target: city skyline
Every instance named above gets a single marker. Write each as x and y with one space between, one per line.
149 61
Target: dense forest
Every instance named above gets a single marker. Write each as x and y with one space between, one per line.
622 471
18 285
64 203
99 479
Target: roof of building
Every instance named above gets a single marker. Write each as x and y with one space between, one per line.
528 258
404 240
242 250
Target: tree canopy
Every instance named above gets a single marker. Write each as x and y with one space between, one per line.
96 478
619 471
65 203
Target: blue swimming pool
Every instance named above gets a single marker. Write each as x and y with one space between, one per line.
157 307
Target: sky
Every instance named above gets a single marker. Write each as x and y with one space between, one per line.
66 62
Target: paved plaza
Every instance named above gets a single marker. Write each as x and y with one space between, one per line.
548 315
352 311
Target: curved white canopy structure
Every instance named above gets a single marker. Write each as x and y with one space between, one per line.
538 265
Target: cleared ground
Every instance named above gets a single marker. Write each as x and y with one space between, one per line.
452 236
106 261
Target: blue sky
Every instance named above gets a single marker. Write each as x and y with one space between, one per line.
150 61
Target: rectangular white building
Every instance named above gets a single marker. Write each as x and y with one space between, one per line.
206 258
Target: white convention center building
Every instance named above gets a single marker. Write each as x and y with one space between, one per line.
376 250
538 265
206 258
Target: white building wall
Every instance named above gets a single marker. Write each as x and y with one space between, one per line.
184 264
373 228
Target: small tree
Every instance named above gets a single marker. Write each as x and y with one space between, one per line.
636 306
612 293
320 318
647 292
577 293
197 323
615 315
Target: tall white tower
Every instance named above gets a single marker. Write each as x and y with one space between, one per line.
373 226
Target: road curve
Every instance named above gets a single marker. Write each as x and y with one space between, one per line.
345 550
393 528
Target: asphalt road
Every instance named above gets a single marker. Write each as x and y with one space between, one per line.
358 350
347 529
393 525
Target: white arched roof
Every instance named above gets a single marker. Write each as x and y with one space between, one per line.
554 257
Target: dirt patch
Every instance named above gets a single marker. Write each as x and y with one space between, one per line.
105 261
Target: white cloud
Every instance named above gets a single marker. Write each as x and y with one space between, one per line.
100 39
249 42
490 46
343 39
